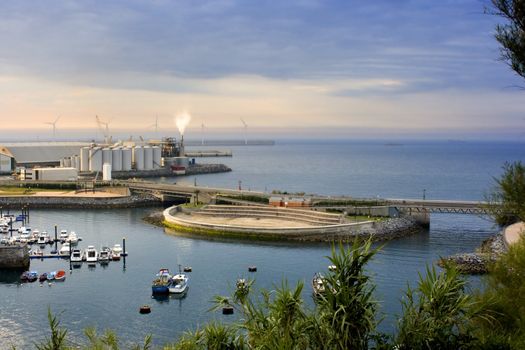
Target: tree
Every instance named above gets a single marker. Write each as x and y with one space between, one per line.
511 35
507 201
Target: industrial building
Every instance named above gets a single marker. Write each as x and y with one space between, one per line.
91 157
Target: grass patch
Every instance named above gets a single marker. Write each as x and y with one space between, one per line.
248 198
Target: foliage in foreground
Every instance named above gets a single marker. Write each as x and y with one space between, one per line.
507 200
438 313
511 34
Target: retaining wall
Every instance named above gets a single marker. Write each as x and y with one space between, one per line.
14 257
170 216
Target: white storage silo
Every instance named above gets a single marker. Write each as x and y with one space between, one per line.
148 158
157 155
84 159
77 162
67 162
95 159
106 172
73 162
126 159
107 156
116 164
62 162
138 157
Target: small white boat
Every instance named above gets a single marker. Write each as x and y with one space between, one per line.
178 283
318 285
116 252
64 250
104 255
43 238
76 255
24 229
72 238
91 254
63 235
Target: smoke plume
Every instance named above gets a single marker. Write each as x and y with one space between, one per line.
182 120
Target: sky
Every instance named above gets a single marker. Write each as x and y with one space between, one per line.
296 67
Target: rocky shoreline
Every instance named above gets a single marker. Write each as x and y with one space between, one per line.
38 202
479 261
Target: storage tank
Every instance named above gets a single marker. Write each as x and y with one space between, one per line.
62 162
138 157
116 164
77 162
73 162
157 157
148 158
106 172
84 159
107 156
126 159
67 162
95 159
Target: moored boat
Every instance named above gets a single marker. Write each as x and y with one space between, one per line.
72 238
161 282
65 249
51 275
104 255
178 284
318 285
91 254
60 275
63 235
116 252
43 277
76 255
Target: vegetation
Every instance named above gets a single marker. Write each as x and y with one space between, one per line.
245 197
511 35
507 200
439 313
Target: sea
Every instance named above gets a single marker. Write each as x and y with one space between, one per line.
109 297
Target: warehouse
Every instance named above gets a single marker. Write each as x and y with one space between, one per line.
7 162
30 154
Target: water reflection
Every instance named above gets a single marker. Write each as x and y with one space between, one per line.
10 276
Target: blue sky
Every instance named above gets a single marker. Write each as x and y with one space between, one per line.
330 65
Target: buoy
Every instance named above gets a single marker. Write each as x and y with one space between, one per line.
252 268
187 268
145 309
227 310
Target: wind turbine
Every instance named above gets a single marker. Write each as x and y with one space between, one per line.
156 125
54 124
245 131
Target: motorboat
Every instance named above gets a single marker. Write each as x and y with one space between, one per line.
104 255
318 285
91 254
60 275
51 275
72 238
63 235
43 238
36 252
65 249
116 252
76 255
43 277
161 282
178 284
29 276
24 229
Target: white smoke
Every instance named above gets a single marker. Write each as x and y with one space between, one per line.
182 120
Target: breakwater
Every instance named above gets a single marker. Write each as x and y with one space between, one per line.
132 201
14 257
192 169
289 224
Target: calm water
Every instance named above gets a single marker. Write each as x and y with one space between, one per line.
109 297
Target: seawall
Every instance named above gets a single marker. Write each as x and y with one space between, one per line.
136 200
14 257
